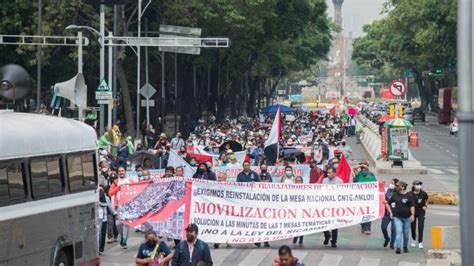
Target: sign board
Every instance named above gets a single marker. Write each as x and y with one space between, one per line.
147 91
103 92
398 144
151 103
177 31
103 101
397 88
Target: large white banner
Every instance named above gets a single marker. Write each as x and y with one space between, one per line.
249 212
259 212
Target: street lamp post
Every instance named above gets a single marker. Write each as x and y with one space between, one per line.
101 58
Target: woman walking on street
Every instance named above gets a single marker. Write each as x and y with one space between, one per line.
386 220
401 207
421 203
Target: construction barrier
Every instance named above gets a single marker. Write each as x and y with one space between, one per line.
413 139
445 237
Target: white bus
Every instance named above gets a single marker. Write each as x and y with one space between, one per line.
48 191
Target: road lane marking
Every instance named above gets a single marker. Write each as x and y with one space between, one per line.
453 171
219 255
404 263
330 260
300 254
369 261
255 257
435 171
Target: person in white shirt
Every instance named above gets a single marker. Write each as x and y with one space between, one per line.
331 179
288 177
177 142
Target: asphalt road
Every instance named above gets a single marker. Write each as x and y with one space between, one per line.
437 149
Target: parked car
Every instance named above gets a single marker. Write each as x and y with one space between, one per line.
408 115
419 114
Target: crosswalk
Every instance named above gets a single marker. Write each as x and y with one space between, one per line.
442 170
248 255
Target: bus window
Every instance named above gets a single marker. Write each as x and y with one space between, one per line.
74 165
88 170
46 177
12 185
16 182
54 175
4 195
39 178
82 172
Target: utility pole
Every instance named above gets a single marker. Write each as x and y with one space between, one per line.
38 56
102 61
79 70
466 127
111 83
138 68
114 89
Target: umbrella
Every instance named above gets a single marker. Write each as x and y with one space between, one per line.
139 156
274 108
289 152
385 118
352 111
398 122
233 145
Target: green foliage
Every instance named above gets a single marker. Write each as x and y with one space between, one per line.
415 35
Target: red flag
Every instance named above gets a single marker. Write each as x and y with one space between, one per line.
200 157
344 170
332 111
320 180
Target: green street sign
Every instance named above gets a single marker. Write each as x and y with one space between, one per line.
103 86
103 92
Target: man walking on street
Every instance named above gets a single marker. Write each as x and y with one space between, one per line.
192 251
332 179
362 175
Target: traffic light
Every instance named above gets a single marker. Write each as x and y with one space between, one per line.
435 72
391 110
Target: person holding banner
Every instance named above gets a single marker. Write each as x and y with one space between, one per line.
298 180
331 179
153 251
362 175
247 175
114 192
288 177
401 207
204 172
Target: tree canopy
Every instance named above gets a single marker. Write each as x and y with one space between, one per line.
414 35
270 40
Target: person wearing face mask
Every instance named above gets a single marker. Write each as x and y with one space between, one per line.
331 179
401 207
183 153
153 250
193 162
315 173
421 203
386 218
193 250
264 170
114 193
204 172
288 177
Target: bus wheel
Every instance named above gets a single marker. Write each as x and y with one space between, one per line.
62 259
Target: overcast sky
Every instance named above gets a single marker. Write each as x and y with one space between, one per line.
357 13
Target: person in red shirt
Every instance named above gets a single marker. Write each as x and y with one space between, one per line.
315 173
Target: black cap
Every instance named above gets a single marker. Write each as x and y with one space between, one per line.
417 182
192 228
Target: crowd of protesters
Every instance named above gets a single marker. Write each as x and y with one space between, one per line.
314 138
